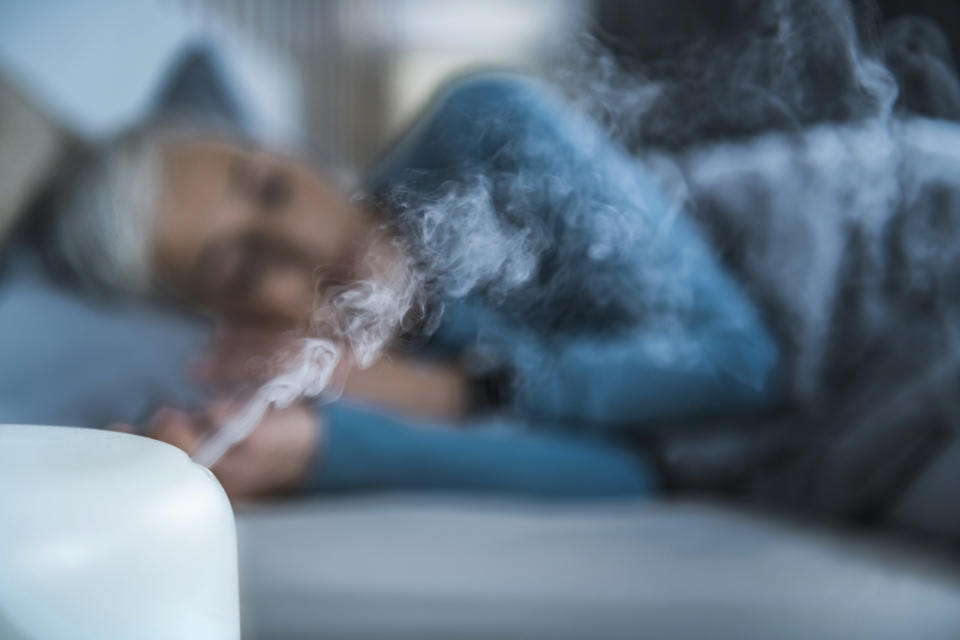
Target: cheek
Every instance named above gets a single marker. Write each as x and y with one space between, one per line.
324 224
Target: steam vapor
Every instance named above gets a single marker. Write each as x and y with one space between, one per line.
350 323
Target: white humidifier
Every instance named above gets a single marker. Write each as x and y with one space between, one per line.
112 536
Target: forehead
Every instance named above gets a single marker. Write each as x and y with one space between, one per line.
195 208
190 165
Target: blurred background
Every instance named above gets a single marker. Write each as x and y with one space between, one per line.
339 78
358 71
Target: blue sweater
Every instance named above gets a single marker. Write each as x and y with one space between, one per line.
709 353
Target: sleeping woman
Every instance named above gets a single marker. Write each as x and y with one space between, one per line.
564 304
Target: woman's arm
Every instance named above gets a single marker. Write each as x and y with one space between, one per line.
346 446
422 389
698 345
713 356
361 448
647 377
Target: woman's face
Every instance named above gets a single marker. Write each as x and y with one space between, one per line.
252 236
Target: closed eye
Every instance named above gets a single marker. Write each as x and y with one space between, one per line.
274 191
267 189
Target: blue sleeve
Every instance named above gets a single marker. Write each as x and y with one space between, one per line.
718 359
714 356
646 377
363 448
701 348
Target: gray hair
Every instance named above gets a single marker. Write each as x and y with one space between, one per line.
105 213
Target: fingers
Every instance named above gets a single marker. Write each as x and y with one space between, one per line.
177 428
237 479
274 458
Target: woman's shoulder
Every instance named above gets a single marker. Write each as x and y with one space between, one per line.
458 107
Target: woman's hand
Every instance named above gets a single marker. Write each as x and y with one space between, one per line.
273 459
434 390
